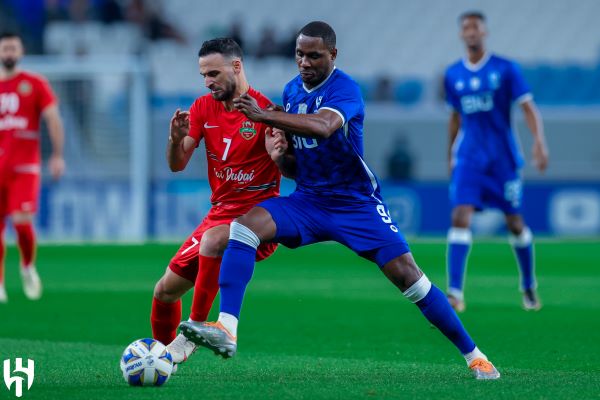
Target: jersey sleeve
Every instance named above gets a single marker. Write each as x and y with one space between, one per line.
197 120
451 98
519 90
263 101
45 94
285 98
344 99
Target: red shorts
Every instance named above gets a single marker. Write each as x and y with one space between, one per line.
185 262
19 192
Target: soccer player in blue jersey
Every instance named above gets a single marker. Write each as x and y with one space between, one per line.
484 155
337 198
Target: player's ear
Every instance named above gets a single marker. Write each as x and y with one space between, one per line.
333 53
237 65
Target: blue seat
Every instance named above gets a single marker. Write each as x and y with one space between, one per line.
408 91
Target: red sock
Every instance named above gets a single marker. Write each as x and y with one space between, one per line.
206 287
165 318
26 242
2 249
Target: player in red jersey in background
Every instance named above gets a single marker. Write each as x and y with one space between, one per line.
24 98
241 174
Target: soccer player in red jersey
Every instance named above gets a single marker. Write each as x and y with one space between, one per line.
24 98
241 174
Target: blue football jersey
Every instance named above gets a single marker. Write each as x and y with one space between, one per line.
483 94
332 166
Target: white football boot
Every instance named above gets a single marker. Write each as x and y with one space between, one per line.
3 297
32 285
181 348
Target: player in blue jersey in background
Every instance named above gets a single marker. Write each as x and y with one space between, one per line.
337 198
484 154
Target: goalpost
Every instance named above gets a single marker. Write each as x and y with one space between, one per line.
104 195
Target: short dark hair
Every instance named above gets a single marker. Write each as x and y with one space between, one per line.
224 46
9 35
321 30
471 14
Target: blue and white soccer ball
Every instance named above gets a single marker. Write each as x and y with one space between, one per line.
146 362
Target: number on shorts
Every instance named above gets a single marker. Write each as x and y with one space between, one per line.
385 217
194 244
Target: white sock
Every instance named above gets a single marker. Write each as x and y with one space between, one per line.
456 293
524 239
472 356
229 322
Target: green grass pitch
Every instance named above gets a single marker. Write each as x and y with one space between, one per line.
317 323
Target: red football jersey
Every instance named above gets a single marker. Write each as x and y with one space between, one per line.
22 100
239 168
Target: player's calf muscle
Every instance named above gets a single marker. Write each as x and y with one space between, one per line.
169 290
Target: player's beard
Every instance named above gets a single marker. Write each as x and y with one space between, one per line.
226 93
9 64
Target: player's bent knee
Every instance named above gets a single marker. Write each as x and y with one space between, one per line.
402 271
461 216
515 224
259 221
213 243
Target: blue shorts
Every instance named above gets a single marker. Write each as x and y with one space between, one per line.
364 226
493 186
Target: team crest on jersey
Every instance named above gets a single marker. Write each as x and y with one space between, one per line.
302 108
319 101
475 83
247 130
24 88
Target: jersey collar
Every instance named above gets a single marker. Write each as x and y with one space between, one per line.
320 84
479 64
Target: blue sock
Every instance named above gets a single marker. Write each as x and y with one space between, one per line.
523 247
237 267
437 310
459 244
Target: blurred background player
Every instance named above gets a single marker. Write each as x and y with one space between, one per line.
337 198
241 174
485 159
24 98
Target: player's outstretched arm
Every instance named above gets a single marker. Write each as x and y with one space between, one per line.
180 146
56 163
320 125
453 128
281 153
536 127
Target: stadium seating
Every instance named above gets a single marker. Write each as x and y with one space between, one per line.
412 44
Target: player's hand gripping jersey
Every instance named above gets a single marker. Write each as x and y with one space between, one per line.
334 166
239 168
